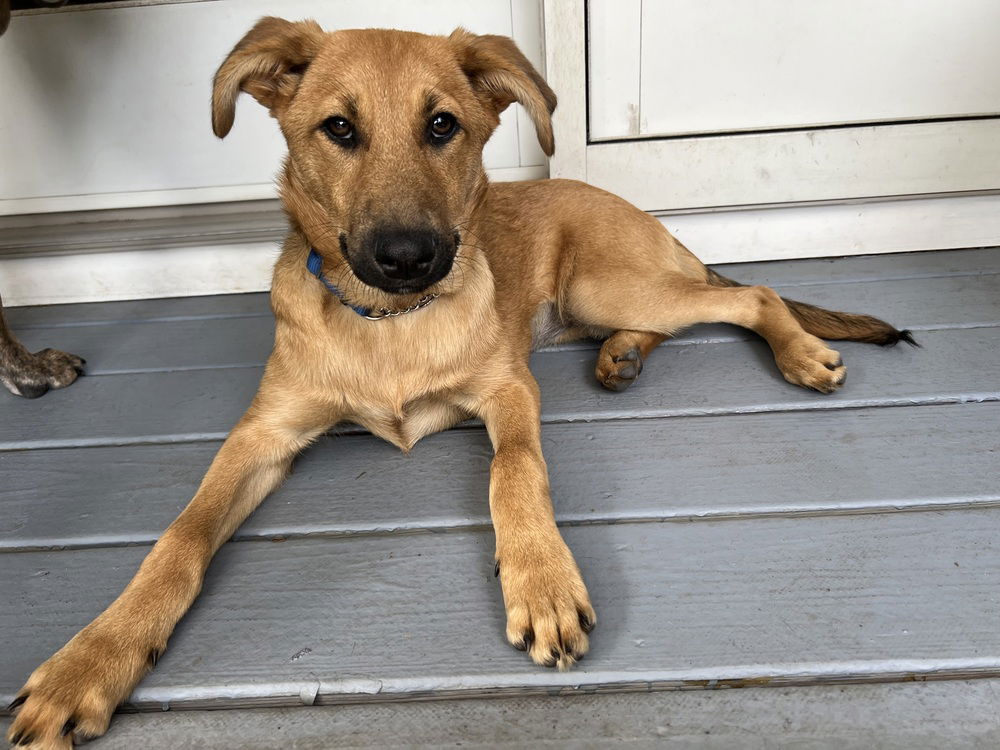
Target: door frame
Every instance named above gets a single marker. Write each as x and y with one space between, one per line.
846 215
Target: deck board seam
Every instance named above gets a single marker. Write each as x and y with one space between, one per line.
595 418
347 431
986 502
108 322
383 690
570 347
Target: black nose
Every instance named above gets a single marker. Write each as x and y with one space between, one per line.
405 254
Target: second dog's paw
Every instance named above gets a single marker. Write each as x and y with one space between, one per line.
32 375
548 609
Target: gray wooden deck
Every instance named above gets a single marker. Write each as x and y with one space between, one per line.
733 530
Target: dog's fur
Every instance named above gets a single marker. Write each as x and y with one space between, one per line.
32 375
516 265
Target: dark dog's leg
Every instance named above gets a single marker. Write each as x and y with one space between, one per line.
5 10
32 375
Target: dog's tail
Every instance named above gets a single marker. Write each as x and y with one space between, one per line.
832 325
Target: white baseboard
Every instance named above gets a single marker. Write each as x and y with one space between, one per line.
816 231
137 274
716 237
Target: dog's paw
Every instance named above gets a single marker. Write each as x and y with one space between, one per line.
548 609
809 362
72 696
32 375
616 371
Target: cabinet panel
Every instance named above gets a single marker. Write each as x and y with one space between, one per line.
710 66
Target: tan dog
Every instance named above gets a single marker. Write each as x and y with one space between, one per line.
384 182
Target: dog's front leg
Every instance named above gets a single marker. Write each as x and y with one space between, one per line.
548 608
75 692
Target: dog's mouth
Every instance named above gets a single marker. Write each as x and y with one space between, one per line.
401 261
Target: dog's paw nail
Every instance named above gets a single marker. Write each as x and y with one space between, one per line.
835 365
154 656
496 570
586 623
68 727
526 640
17 702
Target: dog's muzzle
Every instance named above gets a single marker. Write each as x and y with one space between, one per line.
404 261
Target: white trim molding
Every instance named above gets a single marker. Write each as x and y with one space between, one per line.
825 230
241 261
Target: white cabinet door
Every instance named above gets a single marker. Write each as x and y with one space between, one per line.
728 66
685 106
108 107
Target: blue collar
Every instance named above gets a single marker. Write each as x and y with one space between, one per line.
315 265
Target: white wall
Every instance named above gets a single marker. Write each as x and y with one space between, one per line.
109 108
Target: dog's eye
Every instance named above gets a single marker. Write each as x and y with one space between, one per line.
339 130
442 127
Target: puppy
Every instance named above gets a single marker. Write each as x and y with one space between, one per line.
408 296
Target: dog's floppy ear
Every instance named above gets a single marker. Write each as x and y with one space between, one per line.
501 74
268 63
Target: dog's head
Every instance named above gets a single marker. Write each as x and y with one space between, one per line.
385 132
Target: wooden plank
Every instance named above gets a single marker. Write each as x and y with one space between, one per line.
954 366
846 270
680 469
190 342
740 378
957 714
765 602
147 310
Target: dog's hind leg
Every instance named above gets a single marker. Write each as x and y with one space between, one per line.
661 304
622 355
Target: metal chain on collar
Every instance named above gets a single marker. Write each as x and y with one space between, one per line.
385 312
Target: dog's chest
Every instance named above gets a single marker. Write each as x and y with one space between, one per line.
412 421
400 382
